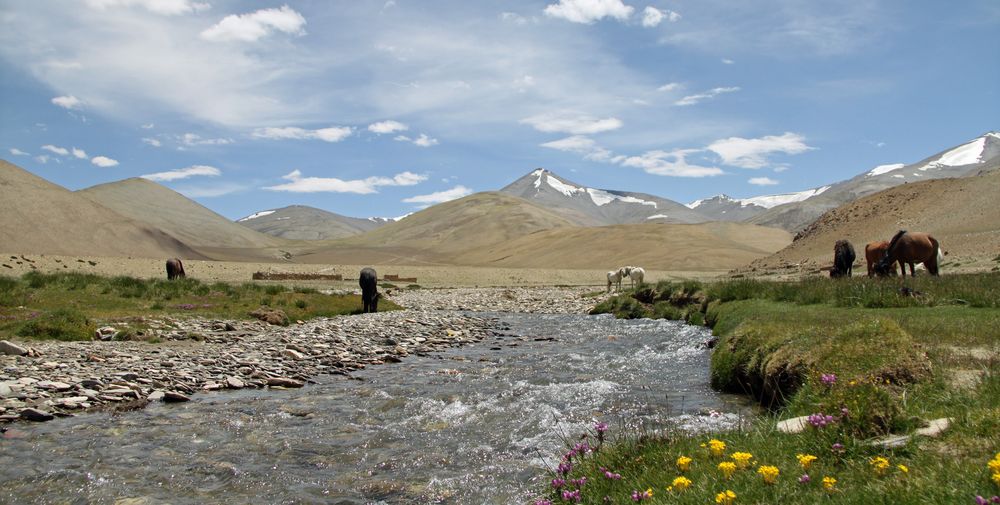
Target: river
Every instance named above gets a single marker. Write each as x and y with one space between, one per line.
477 424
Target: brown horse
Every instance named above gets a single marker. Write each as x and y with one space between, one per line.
175 269
909 248
875 251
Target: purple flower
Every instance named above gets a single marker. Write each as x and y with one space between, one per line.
564 468
611 475
579 483
981 501
804 479
828 379
601 427
574 495
837 448
558 483
820 420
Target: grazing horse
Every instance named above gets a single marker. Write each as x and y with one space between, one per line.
909 248
875 251
843 259
615 277
636 274
369 290
175 269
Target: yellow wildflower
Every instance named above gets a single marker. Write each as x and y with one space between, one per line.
903 469
726 497
717 447
683 463
805 460
742 459
681 483
770 474
879 465
996 479
994 464
727 468
829 483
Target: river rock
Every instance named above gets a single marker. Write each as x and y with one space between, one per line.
12 349
272 316
793 425
156 396
284 382
32 414
174 397
935 427
292 353
234 383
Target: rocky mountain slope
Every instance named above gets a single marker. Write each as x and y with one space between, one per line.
300 222
597 207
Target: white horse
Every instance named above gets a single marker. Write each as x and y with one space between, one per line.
636 274
615 277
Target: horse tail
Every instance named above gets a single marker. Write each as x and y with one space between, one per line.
892 243
939 256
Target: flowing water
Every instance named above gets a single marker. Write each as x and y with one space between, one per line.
478 424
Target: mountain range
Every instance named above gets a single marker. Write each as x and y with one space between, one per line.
539 220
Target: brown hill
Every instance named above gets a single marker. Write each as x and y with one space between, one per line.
439 234
39 217
674 247
961 213
196 225
498 230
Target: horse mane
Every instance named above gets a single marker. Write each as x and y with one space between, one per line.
892 243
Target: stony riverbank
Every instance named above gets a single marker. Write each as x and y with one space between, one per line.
196 355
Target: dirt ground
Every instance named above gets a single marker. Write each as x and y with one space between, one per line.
427 276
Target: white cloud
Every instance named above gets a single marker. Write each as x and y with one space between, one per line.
68 102
387 127
103 161
513 17
712 93
61 151
574 144
17 152
148 126
762 181
566 122
255 25
42 158
212 190
670 86
440 196
752 153
162 7
422 141
79 153
671 163
331 134
589 11
184 173
152 142
727 61
193 139
652 17
366 186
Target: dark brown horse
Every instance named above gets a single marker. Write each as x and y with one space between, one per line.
875 251
909 248
175 269
843 259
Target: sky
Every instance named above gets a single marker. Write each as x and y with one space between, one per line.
383 107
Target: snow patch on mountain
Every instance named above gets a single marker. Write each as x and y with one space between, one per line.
658 216
770 201
256 215
598 196
966 154
884 169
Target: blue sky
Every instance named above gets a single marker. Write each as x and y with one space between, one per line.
379 108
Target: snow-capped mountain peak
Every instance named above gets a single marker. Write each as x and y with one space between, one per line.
255 215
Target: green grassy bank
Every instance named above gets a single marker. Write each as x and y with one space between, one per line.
863 357
71 306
